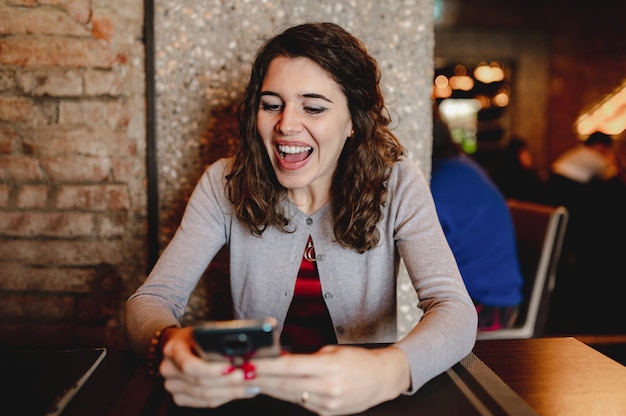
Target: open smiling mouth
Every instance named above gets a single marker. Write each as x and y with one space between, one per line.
294 153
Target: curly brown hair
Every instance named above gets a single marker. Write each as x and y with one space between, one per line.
359 187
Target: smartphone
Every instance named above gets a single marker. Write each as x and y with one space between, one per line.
237 340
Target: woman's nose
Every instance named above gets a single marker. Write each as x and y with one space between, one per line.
289 122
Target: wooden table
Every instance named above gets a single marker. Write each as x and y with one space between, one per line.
558 376
553 376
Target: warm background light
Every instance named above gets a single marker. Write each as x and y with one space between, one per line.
489 73
608 116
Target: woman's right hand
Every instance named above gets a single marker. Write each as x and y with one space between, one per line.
195 382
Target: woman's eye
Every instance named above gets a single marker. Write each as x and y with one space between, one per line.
270 107
314 110
277 107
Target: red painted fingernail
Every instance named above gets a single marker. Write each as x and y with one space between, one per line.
228 370
248 371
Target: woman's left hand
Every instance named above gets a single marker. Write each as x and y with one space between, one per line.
337 379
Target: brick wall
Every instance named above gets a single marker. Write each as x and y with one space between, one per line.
72 168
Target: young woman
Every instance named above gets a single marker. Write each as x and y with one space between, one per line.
316 208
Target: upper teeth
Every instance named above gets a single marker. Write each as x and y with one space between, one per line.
293 149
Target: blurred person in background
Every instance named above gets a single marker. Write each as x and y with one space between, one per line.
515 173
587 180
478 226
585 170
593 159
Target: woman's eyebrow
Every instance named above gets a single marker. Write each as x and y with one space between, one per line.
306 95
320 96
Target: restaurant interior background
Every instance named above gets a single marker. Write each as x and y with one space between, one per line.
562 59
563 75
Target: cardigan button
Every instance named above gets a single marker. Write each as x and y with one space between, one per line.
340 330
320 257
328 295
309 221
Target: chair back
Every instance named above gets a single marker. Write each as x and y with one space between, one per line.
539 233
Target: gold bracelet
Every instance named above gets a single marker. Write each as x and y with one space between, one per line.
155 351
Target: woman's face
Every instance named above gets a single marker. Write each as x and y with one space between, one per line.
304 121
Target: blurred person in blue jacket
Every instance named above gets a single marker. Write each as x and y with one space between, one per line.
479 229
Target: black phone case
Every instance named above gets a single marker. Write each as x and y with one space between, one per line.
237 340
